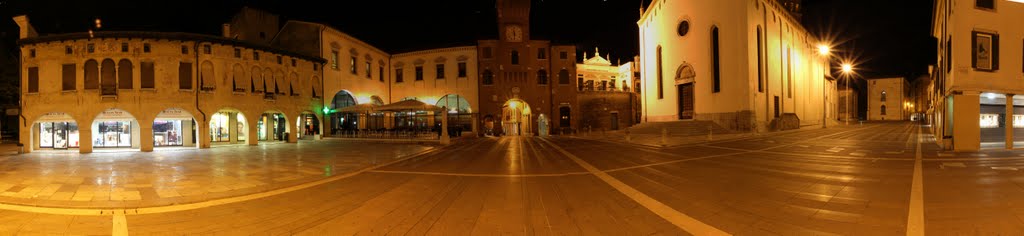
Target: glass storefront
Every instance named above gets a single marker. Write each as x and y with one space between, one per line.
167 133
112 134
58 135
220 127
271 127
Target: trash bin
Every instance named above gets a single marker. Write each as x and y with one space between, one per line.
21 148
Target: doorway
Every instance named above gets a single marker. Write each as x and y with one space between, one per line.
615 121
685 94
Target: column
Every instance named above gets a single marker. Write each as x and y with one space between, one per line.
145 138
444 128
966 132
137 135
30 139
186 134
232 127
253 138
476 120
292 136
84 137
1009 121
268 127
203 128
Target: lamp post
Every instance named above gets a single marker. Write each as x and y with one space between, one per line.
847 70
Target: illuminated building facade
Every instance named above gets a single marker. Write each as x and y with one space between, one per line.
888 100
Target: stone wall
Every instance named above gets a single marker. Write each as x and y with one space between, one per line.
736 121
599 108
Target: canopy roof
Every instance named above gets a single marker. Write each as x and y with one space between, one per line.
359 108
408 105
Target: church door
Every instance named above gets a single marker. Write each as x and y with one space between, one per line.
685 94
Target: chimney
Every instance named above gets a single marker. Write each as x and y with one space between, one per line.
225 30
26 29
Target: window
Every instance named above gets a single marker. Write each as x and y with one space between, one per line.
207 49
541 54
564 114
279 60
542 77
419 73
32 53
985 4
760 62
579 82
33 79
883 96
68 77
380 74
185 76
124 47
314 67
487 52
882 110
789 73
462 70
440 71
352 66
369 70
563 76
294 62
92 74
985 51
256 56
184 49
398 75
515 57
334 60
661 92
563 55
716 72
125 77
145 47
147 78
238 53
90 48
68 50
488 77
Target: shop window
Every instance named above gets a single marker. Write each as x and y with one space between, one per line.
398 75
542 77
563 76
185 76
112 134
33 79
167 132
147 75
488 77
989 121
125 74
716 69
462 70
58 135
419 73
440 71
1018 121
68 77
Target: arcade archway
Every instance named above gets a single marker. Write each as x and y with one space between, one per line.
174 127
115 128
342 121
516 118
228 126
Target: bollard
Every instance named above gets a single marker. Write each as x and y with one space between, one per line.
664 136
710 133
628 139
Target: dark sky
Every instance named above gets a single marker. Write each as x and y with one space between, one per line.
888 37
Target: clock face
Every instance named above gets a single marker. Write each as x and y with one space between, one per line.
513 33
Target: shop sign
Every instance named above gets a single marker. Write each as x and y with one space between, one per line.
114 115
56 117
174 113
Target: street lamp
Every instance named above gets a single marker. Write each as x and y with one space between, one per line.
847 70
824 49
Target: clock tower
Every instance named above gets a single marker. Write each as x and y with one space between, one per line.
514 20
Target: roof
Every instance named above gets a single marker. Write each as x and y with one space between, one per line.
408 105
163 35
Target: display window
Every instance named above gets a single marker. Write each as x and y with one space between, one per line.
113 134
989 121
220 127
58 135
167 133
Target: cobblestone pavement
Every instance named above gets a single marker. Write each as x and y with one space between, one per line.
876 179
176 176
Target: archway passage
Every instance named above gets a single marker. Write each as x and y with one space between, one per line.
228 126
340 122
115 128
55 130
308 125
174 127
516 118
460 113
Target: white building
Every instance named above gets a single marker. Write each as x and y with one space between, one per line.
597 73
978 74
887 99
743 64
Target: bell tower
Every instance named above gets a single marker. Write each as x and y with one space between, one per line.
513 20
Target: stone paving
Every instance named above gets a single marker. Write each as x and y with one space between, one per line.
176 176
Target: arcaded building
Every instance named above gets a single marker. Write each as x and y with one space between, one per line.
746 65
143 90
976 81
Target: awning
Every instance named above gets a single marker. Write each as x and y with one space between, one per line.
408 105
360 108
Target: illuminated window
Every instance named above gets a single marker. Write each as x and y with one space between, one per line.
883 96
1018 121
989 120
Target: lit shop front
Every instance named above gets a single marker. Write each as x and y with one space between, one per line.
57 130
115 129
174 127
228 127
272 127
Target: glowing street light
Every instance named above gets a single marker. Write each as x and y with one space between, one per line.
847 68
824 49
513 104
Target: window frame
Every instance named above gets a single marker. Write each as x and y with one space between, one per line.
439 71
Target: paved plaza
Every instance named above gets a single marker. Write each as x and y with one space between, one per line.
872 179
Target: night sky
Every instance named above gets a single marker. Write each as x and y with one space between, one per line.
888 38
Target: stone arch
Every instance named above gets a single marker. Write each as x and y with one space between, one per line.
685 73
221 130
47 128
108 77
115 128
174 126
455 103
274 126
92 74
